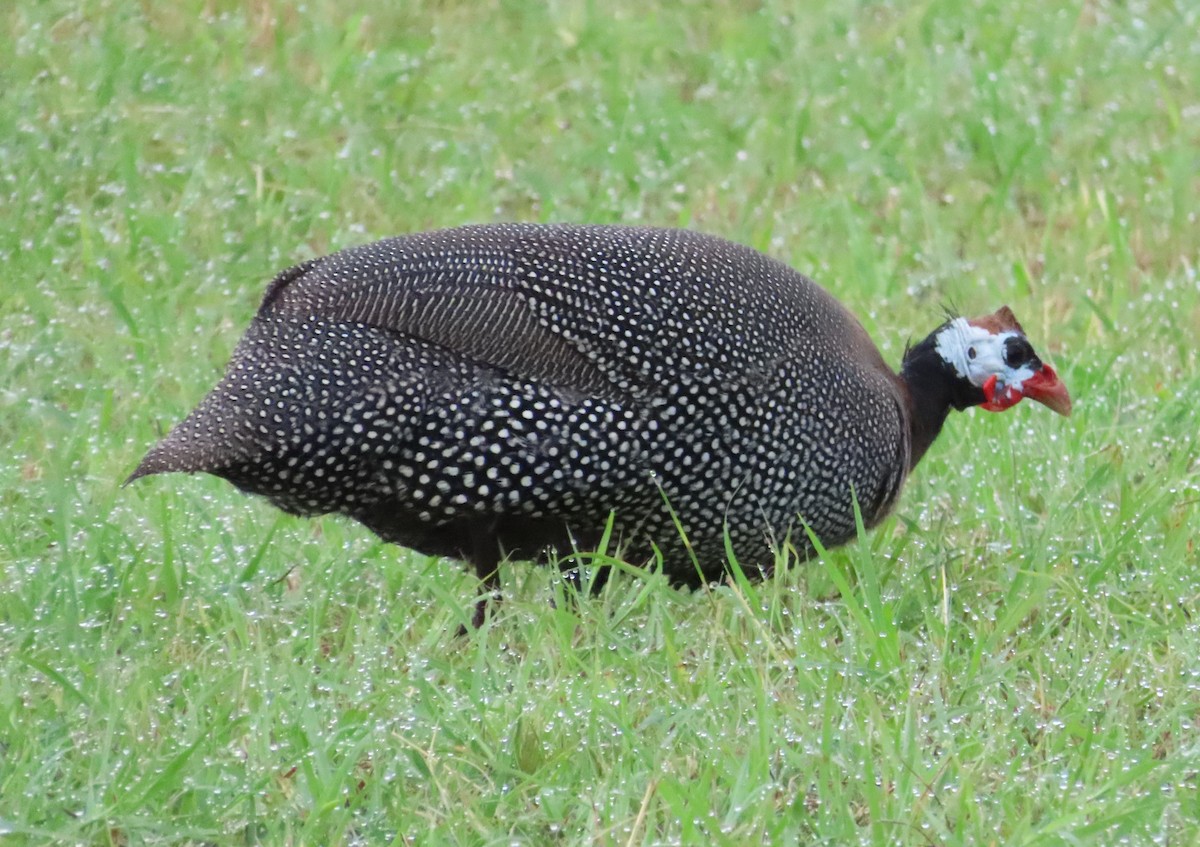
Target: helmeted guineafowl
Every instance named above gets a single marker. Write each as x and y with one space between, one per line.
503 390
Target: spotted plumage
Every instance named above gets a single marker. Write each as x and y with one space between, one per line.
510 389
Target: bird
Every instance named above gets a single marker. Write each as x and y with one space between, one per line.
500 392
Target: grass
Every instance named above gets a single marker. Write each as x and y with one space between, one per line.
1013 659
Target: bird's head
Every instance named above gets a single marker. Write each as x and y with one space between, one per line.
996 365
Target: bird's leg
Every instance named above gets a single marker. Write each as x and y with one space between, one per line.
485 555
491 582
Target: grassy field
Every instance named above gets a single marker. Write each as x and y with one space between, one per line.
1013 659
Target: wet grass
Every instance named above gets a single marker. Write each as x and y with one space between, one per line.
1013 659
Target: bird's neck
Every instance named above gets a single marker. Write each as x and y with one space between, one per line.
933 389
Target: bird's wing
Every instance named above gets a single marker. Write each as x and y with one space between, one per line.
457 289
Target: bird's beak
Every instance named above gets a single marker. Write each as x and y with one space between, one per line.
1046 388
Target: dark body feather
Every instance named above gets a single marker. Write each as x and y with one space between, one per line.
501 390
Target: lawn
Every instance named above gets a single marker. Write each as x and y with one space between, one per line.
1012 659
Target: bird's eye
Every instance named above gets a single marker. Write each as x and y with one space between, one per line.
970 352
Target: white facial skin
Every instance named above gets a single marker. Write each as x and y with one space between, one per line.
977 354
